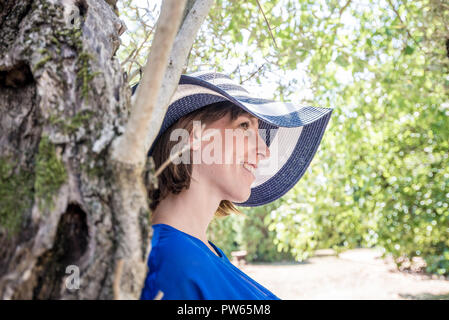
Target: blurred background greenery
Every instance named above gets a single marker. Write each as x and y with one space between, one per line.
380 177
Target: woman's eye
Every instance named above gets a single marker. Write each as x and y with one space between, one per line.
245 124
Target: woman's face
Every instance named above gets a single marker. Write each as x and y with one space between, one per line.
229 156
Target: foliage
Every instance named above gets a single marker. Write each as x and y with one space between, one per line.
136 41
438 263
248 232
226 233
258 240
381 174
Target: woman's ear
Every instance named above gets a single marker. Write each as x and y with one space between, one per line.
196 135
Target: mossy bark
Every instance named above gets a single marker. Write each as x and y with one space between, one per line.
63 99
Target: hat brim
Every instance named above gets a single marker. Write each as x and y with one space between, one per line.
276 113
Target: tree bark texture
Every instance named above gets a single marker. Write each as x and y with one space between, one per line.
63 99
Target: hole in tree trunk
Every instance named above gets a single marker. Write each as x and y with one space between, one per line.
17 77
69 246
82 7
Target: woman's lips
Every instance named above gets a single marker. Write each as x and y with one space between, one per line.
250 168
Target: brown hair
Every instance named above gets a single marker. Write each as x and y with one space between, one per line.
176 177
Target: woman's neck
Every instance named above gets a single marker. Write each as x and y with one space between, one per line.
190 211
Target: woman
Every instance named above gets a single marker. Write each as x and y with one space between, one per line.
235 149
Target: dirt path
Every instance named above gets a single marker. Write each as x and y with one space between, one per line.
357 274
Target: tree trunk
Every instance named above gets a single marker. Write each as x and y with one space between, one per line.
74 217
63 99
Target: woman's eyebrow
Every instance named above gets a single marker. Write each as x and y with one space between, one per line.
253 119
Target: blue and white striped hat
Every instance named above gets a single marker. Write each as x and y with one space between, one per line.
296 131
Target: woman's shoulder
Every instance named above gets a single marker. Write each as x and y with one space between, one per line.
173 246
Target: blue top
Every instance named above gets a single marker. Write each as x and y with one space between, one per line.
184 268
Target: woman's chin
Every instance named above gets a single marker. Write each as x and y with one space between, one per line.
242 197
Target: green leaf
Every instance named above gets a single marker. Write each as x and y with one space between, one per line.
408 50
342 60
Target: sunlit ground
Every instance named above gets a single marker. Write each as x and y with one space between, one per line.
357 274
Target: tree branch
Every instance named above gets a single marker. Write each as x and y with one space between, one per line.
344 7
268 24
188 7
129 148
181 48
402 22
160 79
252 74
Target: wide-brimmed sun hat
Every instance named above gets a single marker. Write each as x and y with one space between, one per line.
296 131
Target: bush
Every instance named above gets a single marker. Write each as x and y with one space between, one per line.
250 233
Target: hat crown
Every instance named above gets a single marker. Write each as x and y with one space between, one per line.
222 81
